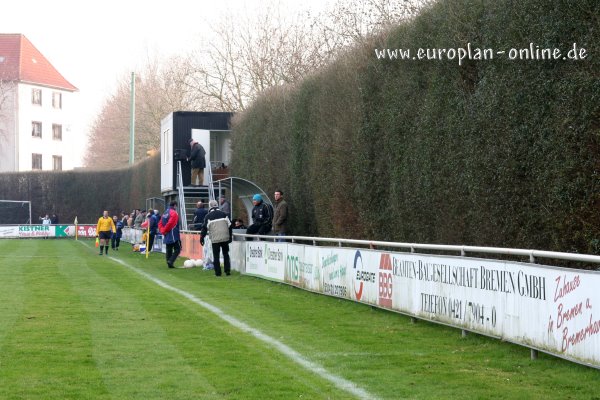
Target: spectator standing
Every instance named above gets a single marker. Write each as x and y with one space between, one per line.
225 206
280 215
197 161
139 218
115 239
54 219
130 221
199 215
153 228
124 218
104 231
218 228
46 221
262 217
169 228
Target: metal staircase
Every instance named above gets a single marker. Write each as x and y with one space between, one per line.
190 195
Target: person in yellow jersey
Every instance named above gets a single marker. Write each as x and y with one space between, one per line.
104 230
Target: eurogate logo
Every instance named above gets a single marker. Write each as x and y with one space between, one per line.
361 276
357 259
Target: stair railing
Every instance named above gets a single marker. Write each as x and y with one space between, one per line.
211 187
181 204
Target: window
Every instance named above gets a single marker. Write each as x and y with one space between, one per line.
57 163
56 132
36 161
57 100
36 129
36 96
165 143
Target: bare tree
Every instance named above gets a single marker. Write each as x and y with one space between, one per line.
349 22
253 53
161 88
6 88
247 55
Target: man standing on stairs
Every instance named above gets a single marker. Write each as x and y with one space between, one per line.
199 215
197 161
104 231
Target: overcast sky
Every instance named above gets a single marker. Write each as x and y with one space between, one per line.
94 44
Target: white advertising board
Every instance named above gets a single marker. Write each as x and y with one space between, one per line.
301 268
33 231
547 308
29 231
266 259
9 231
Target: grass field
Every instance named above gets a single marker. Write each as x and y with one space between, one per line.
74 325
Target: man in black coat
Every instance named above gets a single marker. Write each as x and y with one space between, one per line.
199 215
197 161
262 217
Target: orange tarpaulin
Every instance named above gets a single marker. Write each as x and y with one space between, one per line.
190 246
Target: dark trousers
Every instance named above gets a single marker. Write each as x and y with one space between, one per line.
260 229
151 241
114 242
173 250
216 248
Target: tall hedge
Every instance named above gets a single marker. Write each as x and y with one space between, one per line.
83 193
492 152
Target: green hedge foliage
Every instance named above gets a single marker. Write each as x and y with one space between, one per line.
83 193
493 152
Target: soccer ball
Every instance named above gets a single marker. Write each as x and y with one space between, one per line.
188 264
199 262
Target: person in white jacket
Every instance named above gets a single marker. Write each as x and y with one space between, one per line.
218 228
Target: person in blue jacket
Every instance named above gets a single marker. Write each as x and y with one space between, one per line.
153 228
169 228
115 238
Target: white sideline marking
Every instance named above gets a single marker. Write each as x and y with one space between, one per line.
340 382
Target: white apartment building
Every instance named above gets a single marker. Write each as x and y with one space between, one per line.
36 110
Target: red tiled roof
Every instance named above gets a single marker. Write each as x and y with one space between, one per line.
21 61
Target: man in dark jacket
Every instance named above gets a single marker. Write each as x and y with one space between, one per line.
218 227
280 215
262 217
197 160
199 215
115 239
169 228
152 228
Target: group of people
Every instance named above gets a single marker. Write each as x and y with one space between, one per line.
136 218
110 230
266 218
49 220
214 223
201 212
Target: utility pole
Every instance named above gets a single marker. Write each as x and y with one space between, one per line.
132 121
